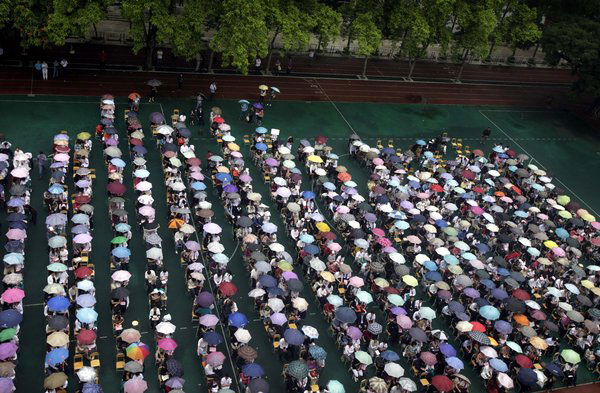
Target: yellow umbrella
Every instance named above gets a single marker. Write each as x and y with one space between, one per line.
263 87
233 146
563 199
587 284
315 159
340 169
381 282
544 261
57 339
582 212
588 217
595 291
493 341
565 214
538 343
84 136
322 227
285 266
327 276
550 244
410 281
455 269
222 169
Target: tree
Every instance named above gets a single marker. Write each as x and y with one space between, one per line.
572 36
353 9
184 31
285 18
30 18
367 35
327 24
74 18
475 20
521 28
243 33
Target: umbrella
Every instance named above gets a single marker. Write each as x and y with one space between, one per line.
154 82
335 386
133 367
137 351
570 356
86 374
247 353
394 370
167 344
55 380
253 370
173 367
258 385
527 376
297 369
57 356
442 383
135 385
345 315
293 336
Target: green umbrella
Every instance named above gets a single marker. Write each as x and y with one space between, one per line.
298 369
450 231
57 241
563 199
57 267
118 240
514 346
7 334
396 300
364 297
427 313
363 357
224 390
570 356
335 386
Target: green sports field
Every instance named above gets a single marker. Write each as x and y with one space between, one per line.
556 141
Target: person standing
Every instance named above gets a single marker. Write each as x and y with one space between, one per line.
63 68
153 92
44 71
198 62
102 59
179 81
289 65
277 67
257 64
262 93
38 69
42 161
213 90
55 71
486 134
243 109
272 96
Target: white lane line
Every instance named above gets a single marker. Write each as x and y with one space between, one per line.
336 107
531 155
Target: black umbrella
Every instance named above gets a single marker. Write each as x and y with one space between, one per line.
258 256
151 225
357 234
244 222
18 189
174 368
120 293
17 225
58 322
418 334
258 385
527 376
295 285
515 305
15 217
550 326
14 246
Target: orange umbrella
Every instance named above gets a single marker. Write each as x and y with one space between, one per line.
521 319
517 190
499 194
134 95
176 223
344 176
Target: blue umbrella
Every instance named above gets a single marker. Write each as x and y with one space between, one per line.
488 283
86 300
15 202
58 303
306 238
345 315
489 312
267 281
57 356
447 350
198 186
56 189
527 376
430 265
140 150
91 387
441 223
329 186
483 248
10 318
275 291
119 163
261 147
421 142
317 352
308 195
293 336
455 363
503 327
238 319
261 130
390 355
562 233
311 249
498 365
213 338
223 177
456 307
121 252
555 369
433 276
253 370
87 315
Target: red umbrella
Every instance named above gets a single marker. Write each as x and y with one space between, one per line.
331 236
82 199
437 188
321 140
219 120
538 315
83 272
442 383
521 294
467 174
478 152
477 326
478 190
517 190
391 290
523 361
511 153
62 149
86 337
344 176
116 188
193 161
228 289
136 142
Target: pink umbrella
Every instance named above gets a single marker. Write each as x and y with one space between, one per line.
82 238
289 276
20 172
135 385
13 295
385 242
477 210
558 252
596 225
342 209
354 333
16 234
146 211
215 359
197 176
378 232
377 161
167 344
62 157
356 282
209 320
335 247
423 195
245 179
413 239
404 322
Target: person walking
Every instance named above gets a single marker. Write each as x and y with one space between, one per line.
257 64
44 71
55 71
179 81
213 90
63 68
486 134
243 109
289 65
153 92
103 59
42 162
277 67
38 69
198 62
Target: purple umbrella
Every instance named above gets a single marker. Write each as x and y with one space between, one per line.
354 333
472 293
230 188
257 105
6 385
370 217
212 228
272 162
499 294
245 179
8 350
278 319
205 299
111 142
398 311
175 382
157 117
406 205
447 350
293 336
289 276
503 327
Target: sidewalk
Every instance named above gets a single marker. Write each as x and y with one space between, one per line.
87 56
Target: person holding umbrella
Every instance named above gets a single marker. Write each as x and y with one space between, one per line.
262 93
244 106
273 94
